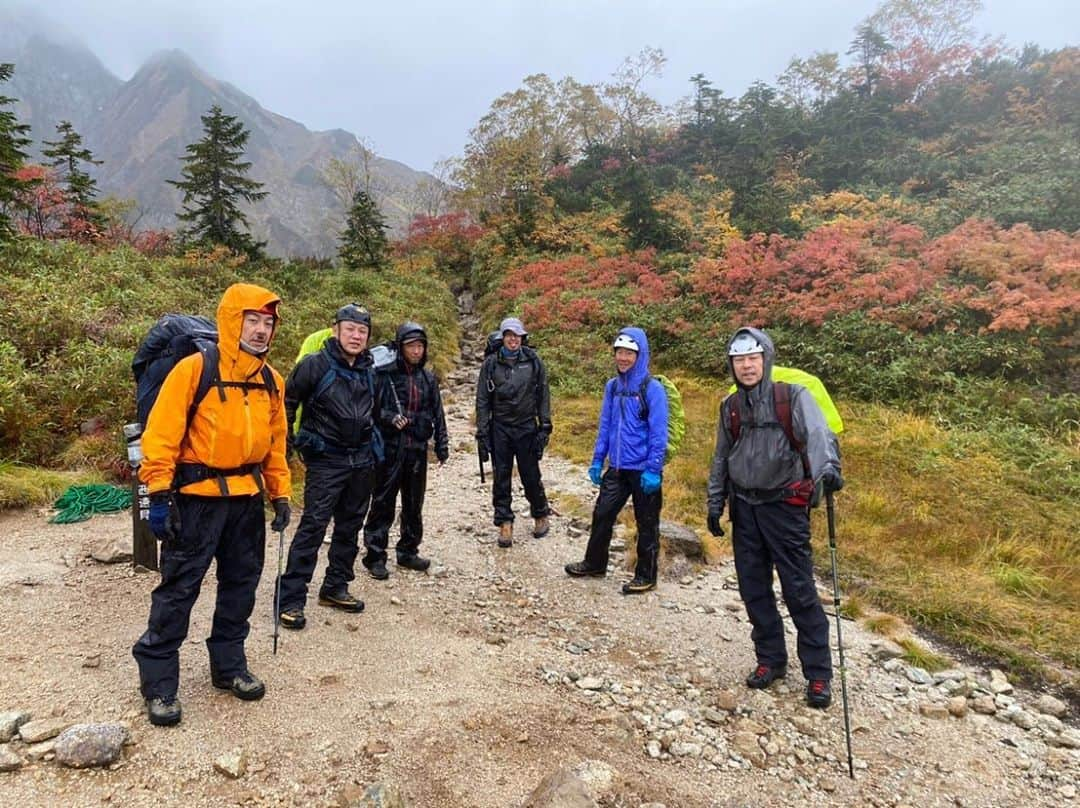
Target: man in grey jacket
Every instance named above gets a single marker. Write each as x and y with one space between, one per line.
513 422
773 448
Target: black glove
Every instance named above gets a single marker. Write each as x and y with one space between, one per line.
164 517
282 515
714 523
542 439
442 453
831 480
483 447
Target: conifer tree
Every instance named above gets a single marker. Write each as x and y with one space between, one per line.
83 217
12 140
215 182
363 242
67 153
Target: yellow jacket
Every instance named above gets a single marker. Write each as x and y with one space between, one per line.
247 428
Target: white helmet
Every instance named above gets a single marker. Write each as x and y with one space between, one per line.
744 344
626 341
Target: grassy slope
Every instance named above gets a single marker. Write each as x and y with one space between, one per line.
935 526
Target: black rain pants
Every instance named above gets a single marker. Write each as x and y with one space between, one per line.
776 534
511 442
233 531
617 486
405 472
333 489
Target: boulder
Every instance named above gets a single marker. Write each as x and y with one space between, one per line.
560 789
113 549
85 745
681 540
233 764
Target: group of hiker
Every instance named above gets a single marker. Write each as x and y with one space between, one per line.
217 442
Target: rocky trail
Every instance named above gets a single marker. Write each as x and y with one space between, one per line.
490 680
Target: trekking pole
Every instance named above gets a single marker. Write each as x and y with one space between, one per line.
277 586
480 457
839 637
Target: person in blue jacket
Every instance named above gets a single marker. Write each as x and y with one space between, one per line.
632 437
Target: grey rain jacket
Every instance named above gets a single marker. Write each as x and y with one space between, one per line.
763 463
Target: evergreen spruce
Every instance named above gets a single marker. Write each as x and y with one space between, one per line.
214 184
12 140
67 154
364 243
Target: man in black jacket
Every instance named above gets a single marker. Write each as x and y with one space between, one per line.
513 421
340 446
412 414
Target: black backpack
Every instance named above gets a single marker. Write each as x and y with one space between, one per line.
169 340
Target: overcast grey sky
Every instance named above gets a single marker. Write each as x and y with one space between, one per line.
412 76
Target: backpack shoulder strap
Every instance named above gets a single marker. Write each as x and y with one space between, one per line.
208 375
729 415
643 395
782 405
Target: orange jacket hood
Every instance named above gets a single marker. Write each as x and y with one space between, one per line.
237 299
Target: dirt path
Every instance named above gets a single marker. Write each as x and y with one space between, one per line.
467 685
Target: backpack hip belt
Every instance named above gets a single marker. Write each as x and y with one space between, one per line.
189 473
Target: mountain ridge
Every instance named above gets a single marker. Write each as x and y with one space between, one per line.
141 127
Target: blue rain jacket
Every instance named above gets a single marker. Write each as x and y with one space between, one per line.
624 437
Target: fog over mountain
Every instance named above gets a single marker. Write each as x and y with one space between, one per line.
140 129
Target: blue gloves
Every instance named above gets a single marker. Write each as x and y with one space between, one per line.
650 482
596 473
164 520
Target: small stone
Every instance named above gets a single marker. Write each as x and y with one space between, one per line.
42 729
1023 719
560 789
680 539
86 745
713 716
984 705
957 706
884 650
1050 724
933 710
999 683
746 746
1068 738
1049 705
330 679
523 737
1068 791
675 717
685 749
113 550
10 723
42 751
377 748
726 700
92 661
590 683
380 795
652 748
395 600
9 761
918 675
232 764
827 784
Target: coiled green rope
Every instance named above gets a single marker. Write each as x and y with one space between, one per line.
80 502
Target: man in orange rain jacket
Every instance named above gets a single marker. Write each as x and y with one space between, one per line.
206 478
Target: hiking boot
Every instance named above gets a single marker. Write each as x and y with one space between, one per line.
506 534
819 693
341 600
764 675
378 570
579 569
414 562
541 528
245 685
637 586
293 619
163 712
